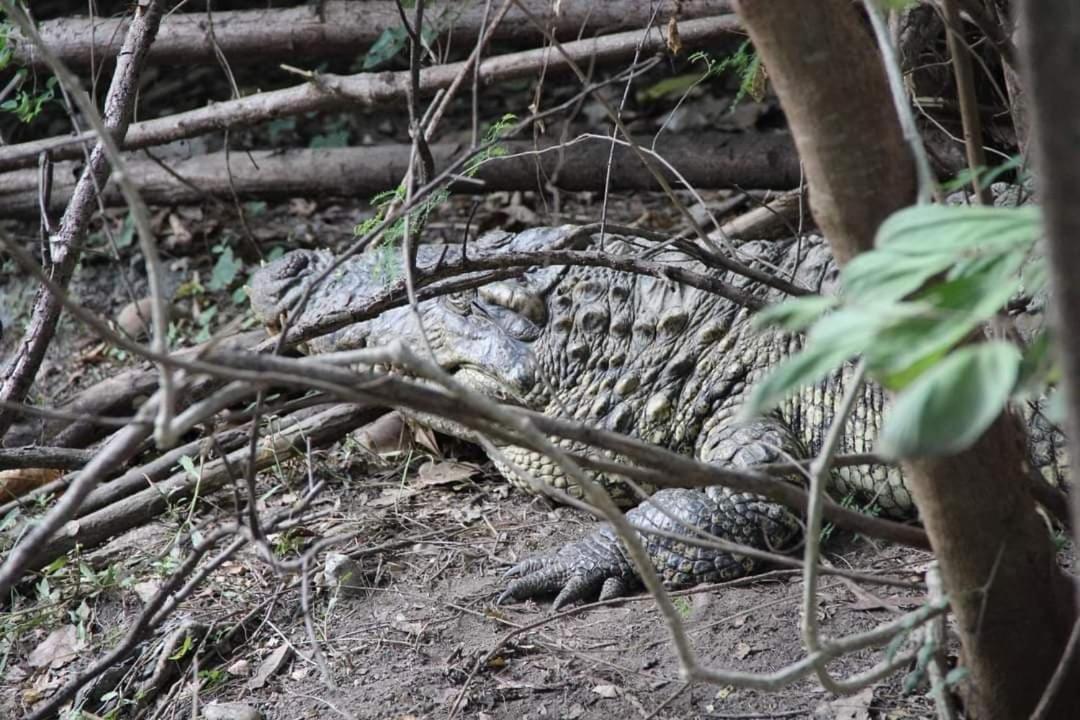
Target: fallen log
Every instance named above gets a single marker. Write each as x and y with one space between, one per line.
93 529
336 92
60 458
749 160
121 394
337 28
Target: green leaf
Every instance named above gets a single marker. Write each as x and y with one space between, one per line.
127 232
950 405
958 230
833 341
881 275
794 314
1055 409
225 270
390 43
189 466
255 208
670 86
1039 367
335 139
941 317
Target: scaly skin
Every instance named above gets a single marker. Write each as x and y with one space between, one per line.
643 356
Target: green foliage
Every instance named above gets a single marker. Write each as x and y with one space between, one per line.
985 175
213 678
906 308
185 647
671 86
949 406
386 265
226 269
280 128
745 63
393 40
7 48
27 105
682 606
896 4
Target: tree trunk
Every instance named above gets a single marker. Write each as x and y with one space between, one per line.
1051 47
1013 606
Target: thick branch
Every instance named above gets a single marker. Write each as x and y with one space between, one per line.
748 160
994 551
841 116
336 28
336 92
44 457
1051 55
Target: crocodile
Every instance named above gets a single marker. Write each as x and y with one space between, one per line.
641 355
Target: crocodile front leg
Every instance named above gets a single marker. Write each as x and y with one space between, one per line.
598 564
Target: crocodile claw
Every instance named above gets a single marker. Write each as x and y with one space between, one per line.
580 571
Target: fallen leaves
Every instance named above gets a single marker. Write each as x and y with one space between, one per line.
59 648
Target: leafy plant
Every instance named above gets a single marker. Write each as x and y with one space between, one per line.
745 63
393 40
7 49
386 265
27 105
226 269
910 309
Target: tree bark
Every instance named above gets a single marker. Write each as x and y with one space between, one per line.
997 560
338 28
1050 54
748 160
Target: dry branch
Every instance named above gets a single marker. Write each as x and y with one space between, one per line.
43 457
784 216
64 244
321 429
748 160
337 28
335 92
121 393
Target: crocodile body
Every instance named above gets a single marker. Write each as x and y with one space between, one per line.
640 355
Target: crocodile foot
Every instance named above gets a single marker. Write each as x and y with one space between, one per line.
598 565
577 571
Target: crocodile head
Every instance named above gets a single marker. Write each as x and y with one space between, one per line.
483 336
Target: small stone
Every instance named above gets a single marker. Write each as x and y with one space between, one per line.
134 318
240 668
230 711
344 573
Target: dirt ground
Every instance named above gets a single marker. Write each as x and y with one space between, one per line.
417 633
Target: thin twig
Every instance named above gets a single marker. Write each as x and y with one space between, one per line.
969 103
927 187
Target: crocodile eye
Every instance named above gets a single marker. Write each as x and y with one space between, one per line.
460 302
